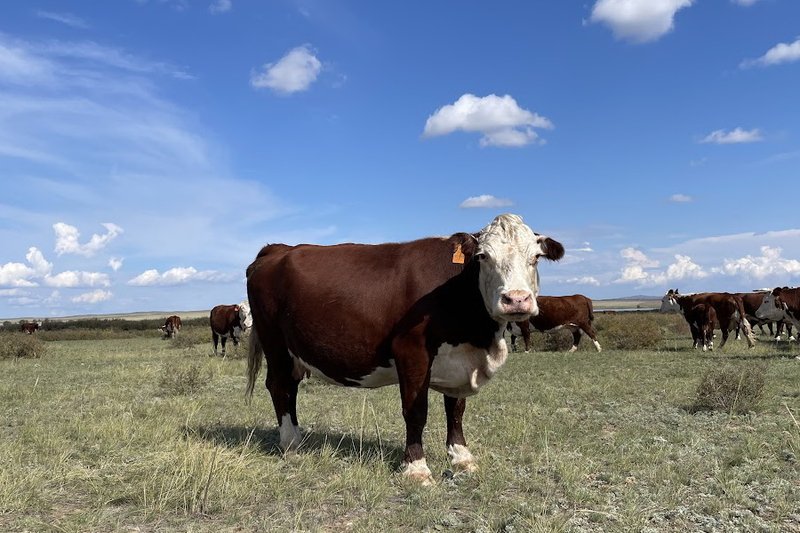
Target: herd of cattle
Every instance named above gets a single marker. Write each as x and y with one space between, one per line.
428 314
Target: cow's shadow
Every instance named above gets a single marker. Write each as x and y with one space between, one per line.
267 442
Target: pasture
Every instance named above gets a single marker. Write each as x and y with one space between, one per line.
130 432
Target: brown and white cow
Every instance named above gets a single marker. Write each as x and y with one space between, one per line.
171 327
782 303
574 313
229 321
425 314
728 307
703 318
29 327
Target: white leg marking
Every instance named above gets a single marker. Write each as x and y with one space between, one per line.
290 434
461 459
574 348
597 345
418 471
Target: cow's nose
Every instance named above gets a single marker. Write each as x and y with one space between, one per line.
517 301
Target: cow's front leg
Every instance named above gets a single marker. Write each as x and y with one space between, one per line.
457 451
413 369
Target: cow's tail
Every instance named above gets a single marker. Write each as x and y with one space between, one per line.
590 308
748 331
254 359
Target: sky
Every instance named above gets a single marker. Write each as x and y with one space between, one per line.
149 148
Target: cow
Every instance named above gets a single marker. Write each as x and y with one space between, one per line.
425 314
574 313
703 318
728 307
229 321
171 327
782 303
29 327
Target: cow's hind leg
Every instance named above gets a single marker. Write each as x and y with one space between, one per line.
215 338
592 333
224 340
576 337
460 456
282 386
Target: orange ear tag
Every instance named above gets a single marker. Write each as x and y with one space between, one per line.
458 255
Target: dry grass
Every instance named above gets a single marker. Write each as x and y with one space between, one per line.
21 346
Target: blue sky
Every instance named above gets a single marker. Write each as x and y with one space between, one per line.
149 148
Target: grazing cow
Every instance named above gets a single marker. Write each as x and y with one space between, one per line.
728 307
29 327
555 312
703 317
229 321
782 303
425 314
171 327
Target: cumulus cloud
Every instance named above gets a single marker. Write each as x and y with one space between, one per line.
178 276
115 263
93 297
637 257
683 268
770 263
638 21
680 198
780 53
40 265
67 239
499 118
64 18
292 73
74 278
734 136
485 200
220 6
585 280
21 275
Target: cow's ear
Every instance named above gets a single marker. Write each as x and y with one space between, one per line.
236 308
553 250
776 291
464 248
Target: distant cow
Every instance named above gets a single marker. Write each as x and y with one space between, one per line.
229 321
425 314
29 327
782 303
703 318
728 307
171 326
574 313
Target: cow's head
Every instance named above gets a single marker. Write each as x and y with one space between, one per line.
508 252
245 318
669 302
772 307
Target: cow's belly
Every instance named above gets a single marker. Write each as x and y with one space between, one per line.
461 370
378 376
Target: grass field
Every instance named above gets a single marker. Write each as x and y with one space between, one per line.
97 437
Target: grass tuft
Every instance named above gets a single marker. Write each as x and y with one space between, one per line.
731 389
21 346
181 378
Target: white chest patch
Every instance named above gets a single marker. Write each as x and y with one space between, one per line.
380 377
459 371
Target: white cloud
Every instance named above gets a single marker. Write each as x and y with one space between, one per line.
22 275
745 3
12 292
638 21
220 6
683 268
587 247
74 278
178 276
585 280
499 118
680 198
485 200
770 263
734 136
780 53
637 257
67 239
40 266
93 297
294 72
115 263
64 18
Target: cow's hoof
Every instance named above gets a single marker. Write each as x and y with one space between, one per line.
461 459
418 472
573 349
527 351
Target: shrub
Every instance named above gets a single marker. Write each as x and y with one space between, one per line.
557 341
182 378
731 389
629 331
189 337
21 345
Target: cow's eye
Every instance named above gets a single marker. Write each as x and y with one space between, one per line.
480 256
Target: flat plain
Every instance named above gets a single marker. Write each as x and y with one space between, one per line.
142 434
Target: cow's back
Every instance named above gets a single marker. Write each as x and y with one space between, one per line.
555 311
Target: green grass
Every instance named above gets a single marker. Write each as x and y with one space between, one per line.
565 442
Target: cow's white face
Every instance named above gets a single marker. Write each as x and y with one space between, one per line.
771 308
669 303
245 318
508 252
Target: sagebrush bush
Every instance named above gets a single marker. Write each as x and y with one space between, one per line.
731 389
629 331
184 378
190 336
21 345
